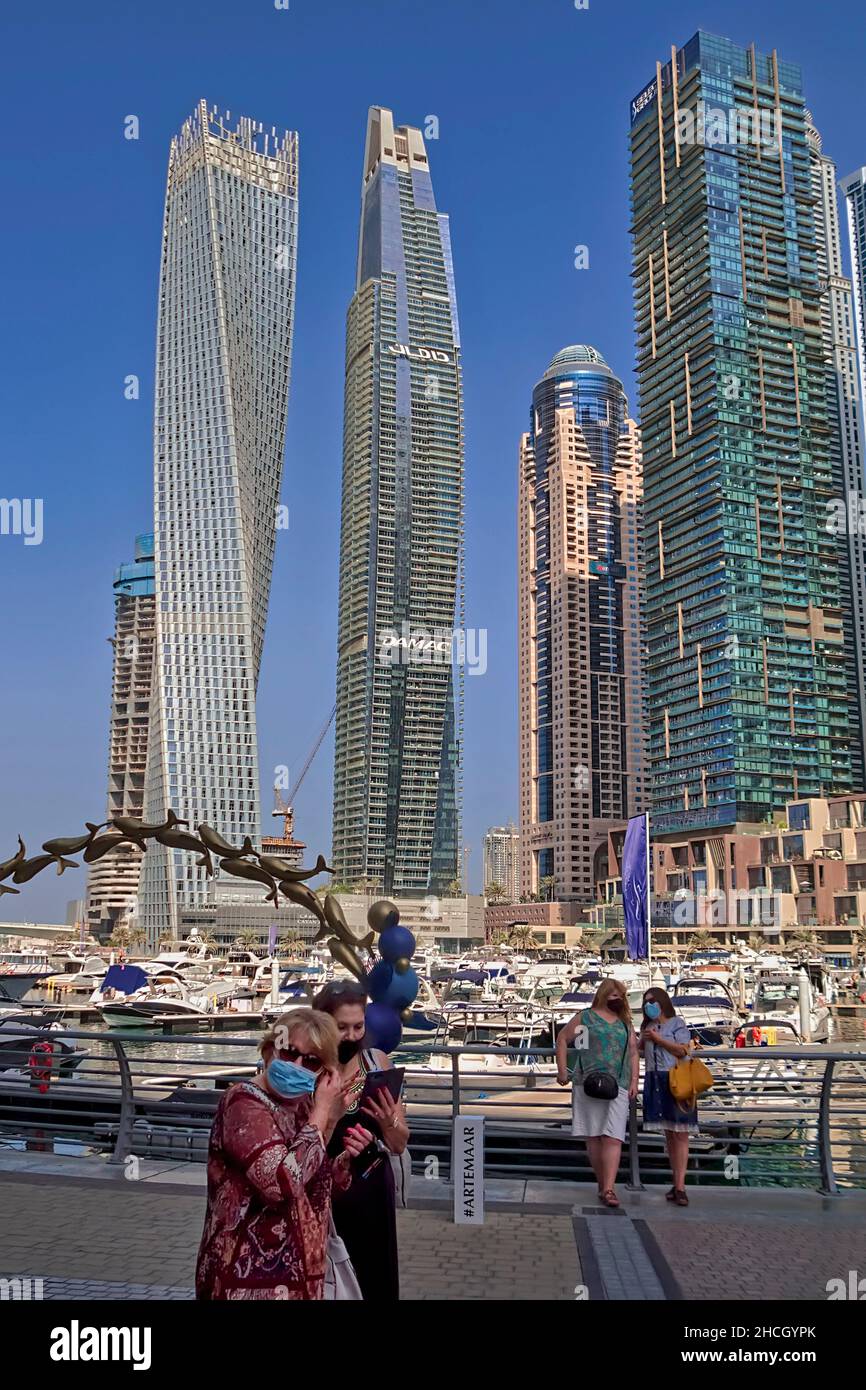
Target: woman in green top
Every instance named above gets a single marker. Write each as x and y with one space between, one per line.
605 1041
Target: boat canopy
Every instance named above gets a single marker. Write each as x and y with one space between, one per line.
126 978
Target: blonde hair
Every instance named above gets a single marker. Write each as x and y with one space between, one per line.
319 1027
603 993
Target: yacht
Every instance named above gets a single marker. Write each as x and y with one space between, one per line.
708 1007
776 1001
21 971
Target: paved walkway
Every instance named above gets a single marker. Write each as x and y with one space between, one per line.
87 1232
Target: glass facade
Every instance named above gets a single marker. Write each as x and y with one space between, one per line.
112 882
224 338
749 660
396 775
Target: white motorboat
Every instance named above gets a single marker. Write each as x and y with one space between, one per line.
708 1007
776 1000
21 971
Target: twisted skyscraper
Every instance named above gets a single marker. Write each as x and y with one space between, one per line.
224 338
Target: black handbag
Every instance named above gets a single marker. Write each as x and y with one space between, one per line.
602 1085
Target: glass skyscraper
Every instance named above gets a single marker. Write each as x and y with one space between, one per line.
580 693
224 336
112 882
396 774
845 437
749 647
854 189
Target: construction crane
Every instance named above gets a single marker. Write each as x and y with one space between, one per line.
285 806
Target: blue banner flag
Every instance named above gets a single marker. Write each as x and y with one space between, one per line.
634 887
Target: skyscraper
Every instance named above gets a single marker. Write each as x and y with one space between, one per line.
845 437
396 772
747 663
112 882
502 860
854 188
222 380
582 736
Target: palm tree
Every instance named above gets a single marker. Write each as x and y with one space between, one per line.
522 936
137 936
294 946
454 889
499 937
546 886
592 937
119 937
247 939
365 886
700 941
494 891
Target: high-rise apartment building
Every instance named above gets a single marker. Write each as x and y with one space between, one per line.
396 772
748 653
846 520
582 737
854 189
222 381
112 882
502 860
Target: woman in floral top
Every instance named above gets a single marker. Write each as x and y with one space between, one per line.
269 1176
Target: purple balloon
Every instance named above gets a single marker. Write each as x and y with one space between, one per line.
379 980
395 942
384 1029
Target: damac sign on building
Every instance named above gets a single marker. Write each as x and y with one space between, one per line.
643 100
419 354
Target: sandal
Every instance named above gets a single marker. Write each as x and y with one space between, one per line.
671 1196
610 1198
680 1198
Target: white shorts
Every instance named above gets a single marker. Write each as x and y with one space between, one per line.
594 1119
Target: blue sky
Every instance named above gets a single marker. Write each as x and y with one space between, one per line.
532 99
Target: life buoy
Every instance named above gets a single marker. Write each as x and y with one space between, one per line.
40 1073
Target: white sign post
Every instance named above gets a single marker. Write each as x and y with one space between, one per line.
467 1167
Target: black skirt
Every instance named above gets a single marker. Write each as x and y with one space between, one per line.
365 1216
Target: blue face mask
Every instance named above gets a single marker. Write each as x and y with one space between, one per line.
651 1009
289 1080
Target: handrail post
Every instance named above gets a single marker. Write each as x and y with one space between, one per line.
123 1144
825 1144
634 1179
455 1085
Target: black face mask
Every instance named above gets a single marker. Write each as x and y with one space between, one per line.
614 1003
347 1049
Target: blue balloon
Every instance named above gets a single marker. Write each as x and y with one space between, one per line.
384 1029
379 980
402 990
395 942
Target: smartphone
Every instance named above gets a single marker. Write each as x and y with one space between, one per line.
390 1080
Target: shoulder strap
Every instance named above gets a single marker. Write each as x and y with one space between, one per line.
369 1060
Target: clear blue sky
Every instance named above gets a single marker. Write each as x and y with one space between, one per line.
532 98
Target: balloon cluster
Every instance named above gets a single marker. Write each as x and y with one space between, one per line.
392 983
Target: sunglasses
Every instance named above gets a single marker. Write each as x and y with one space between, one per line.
304 1059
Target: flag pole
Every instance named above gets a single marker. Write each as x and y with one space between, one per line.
649 948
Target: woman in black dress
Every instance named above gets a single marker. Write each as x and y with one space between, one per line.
365 1213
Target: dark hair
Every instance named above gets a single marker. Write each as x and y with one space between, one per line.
662 998
338 993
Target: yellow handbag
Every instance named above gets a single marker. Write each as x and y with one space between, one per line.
688 1080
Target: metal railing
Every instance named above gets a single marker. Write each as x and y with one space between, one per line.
775 1116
